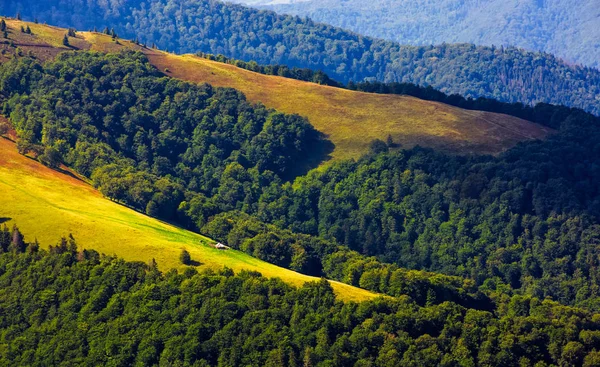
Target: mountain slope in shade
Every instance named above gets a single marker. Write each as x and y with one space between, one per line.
567 28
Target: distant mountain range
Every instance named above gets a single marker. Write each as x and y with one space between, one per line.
569 29
506 74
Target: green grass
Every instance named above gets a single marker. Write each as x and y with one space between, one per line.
47 204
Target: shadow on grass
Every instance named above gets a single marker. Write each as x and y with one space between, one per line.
319 153
4 219
69 173
195 263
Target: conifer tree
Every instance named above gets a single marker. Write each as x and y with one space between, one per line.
185 257
18 16
35 20
28 30
2 25
66 40
17 243
22 29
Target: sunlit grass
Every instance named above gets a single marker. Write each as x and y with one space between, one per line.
47 205
352 119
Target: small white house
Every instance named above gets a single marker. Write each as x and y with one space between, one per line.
220 246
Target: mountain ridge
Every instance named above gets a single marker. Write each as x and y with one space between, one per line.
506 74
565 28
350 119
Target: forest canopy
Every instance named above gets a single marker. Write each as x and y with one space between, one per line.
71 306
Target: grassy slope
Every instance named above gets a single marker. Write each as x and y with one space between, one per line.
353 119
350 119
47 204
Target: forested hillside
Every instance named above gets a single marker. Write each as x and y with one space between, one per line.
480 260
66 306
525 222
508 74
566 28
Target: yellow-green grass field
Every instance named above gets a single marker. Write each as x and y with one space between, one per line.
350 119
47 204
353 119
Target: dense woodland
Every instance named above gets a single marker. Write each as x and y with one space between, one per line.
506 74
525 222
72 307
566 28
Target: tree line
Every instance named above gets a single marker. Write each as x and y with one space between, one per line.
71 306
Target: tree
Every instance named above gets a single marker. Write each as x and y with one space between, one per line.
66 41
185 257
28 30
51 157
378 146
2 25
18 16
22 29
17 243
4 128
71 32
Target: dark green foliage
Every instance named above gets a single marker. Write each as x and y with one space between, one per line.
526 220
67 306
2 25
315 256
378 146
65 41
71 32
51 157
154 143
507 74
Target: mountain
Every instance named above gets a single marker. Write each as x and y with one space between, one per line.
47 204
487 260
351 120
566 28
127 154
212 161
506 74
